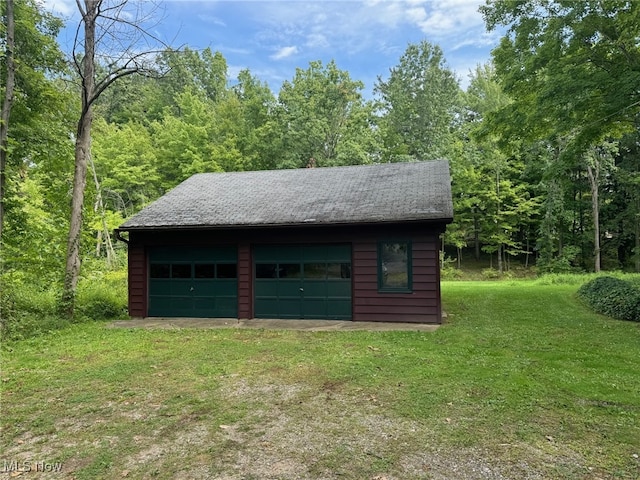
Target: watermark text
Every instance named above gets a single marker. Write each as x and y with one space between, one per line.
10 466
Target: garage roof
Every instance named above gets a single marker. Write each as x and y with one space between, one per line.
390 192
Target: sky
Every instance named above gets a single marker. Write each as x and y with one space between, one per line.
274 37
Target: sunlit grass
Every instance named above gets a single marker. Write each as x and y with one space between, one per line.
521 370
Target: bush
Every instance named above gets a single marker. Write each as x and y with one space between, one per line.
613 297
103 296
26 309
29 307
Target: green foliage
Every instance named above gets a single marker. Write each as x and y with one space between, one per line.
558 262
126 164
613 297
29 306
103 296
34 232
25 309
418 103
556 61
323 119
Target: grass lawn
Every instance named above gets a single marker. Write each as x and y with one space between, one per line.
522 382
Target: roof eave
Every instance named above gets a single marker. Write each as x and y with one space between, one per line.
443 220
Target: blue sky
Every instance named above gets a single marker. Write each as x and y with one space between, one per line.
274 37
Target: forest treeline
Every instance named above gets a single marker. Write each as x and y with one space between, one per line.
544 144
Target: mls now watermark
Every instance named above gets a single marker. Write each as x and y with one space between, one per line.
9 466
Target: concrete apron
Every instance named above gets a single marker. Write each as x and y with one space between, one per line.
305 325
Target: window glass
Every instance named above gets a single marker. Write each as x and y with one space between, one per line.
266 270
289 270
227 270
394 265
338 270
160 270
205 270
181 270
315 270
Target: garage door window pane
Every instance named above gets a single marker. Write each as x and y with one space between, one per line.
315 270
160 270
179 270
338 270
266 270
289 270
205 270
227 270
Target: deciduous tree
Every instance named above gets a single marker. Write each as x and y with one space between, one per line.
418 103
102 21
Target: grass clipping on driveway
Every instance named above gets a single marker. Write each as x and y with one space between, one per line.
522 382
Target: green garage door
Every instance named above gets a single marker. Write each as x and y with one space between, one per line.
193 282
310 281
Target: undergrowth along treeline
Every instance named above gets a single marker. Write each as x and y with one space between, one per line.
28 309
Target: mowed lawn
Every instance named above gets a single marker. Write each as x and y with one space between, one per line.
522 382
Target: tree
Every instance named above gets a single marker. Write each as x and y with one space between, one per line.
471 161
126 162
7 102
321 115
30 58
418 103
571 69
184 143
256 135
102 21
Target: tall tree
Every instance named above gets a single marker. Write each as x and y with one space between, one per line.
30 59
101 21
572 71
321 111
7 102
571 68
418 103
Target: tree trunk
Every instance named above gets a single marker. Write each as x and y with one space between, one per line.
593 181
82 152
6 105
99 208
637 246
637 249
476 238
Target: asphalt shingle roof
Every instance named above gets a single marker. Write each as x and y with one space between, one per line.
390 192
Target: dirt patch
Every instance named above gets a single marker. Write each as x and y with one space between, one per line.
288 431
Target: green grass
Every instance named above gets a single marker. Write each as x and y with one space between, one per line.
523 382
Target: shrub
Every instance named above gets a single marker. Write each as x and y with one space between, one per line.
27 309
613 297
103 296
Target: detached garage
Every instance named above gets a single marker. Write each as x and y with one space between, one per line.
350 243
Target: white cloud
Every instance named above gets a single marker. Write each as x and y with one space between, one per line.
211 19
65 8
317 40
284 52
447 18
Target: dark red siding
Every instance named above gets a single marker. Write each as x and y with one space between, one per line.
137 281
421 305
